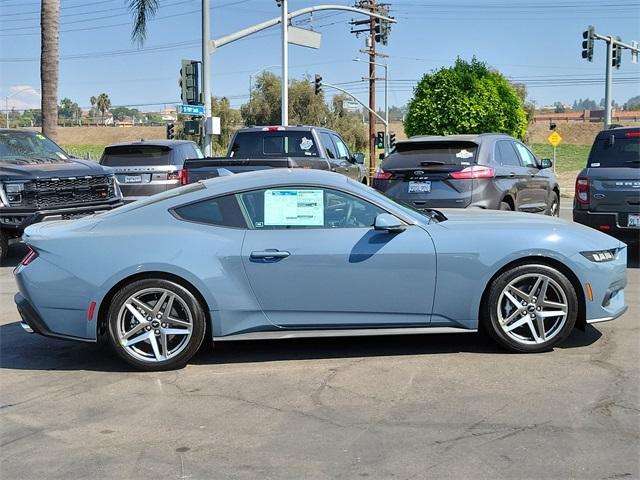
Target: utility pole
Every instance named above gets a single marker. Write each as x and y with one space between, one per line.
607 85
206 79
285 63
372 92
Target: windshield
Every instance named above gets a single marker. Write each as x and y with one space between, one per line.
274 144
621 152
14 145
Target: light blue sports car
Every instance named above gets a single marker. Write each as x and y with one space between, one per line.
303 253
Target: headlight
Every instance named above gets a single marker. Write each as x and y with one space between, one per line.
11 194
13 187
601 256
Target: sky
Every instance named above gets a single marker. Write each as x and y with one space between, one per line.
537 42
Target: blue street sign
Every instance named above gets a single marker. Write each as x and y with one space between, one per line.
191 110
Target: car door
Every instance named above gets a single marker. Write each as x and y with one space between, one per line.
314 260
537 185
353 171
337 165
513 175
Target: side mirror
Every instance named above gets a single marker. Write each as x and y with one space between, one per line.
389 223
359 158
546 163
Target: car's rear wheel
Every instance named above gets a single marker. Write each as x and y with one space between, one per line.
530 308
156 324
506 206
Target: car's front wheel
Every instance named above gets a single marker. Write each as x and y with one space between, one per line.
156 324
530 308
554 206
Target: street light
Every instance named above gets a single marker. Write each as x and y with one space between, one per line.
6 100
386 106
251 81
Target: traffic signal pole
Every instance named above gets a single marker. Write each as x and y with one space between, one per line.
607 84
285 64
372 93
206 80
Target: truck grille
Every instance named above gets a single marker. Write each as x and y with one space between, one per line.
67 191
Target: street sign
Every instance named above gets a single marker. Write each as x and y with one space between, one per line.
304 38
554 139
191 110
351 106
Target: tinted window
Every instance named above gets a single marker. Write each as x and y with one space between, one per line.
506 155
624 152
343 151
277 143
222 211
432 155
138 155
528 160
328 145
304 207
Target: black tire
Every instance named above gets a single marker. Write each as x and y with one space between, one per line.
554 206
4 247
490 310
505 206
188 301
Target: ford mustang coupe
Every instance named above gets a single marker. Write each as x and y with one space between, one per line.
302 253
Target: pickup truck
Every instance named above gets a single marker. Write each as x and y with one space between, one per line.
40 181
257 148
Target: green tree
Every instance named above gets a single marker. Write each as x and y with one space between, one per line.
558 107
142 10
263 107
466 98
633 103
102 104
69 110
230 120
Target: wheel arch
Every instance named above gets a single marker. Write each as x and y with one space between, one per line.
549 262
508 198
106 301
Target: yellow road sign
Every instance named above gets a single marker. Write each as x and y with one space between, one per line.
554 138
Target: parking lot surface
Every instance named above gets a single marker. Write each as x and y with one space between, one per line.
429 406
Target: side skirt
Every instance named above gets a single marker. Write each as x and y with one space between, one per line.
362 332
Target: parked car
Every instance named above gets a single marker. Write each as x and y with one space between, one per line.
148 167
258 148
288 253
40 181
607 194
490 171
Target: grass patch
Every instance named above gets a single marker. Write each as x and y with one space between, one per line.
569 158
84 150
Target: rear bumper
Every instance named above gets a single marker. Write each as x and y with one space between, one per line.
609 223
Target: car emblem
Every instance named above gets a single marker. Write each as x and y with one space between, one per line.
418 172
599 196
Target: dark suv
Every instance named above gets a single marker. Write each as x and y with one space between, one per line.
608 190
491 171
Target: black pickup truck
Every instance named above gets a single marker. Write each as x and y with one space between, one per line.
40 181
257 148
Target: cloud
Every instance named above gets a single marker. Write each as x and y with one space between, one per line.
22 97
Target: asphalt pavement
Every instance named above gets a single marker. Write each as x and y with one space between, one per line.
428 406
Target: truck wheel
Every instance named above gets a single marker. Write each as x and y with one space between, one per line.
4 246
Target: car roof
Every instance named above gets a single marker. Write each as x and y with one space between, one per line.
474 138
616 132
290 128
274 176
18 130
153 143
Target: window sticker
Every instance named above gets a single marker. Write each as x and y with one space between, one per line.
595 164
306 143
294 207
464 154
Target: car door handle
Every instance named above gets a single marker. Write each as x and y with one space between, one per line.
512 174
269 254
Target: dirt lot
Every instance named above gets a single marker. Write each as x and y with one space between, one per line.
106 135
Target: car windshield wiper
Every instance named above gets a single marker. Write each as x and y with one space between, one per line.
632 161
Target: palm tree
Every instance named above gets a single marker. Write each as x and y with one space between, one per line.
103 103
49 49
142 10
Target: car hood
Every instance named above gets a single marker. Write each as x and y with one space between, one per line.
530 224
34 169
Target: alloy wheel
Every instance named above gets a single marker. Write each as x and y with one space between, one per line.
154 325
532 309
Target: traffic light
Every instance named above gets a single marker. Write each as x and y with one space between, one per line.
380 140
171 128
616 54
381 29
191 127
392 140
189 83
378 30
587 43
318 84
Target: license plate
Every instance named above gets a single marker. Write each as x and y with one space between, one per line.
133 179
419 187
633 220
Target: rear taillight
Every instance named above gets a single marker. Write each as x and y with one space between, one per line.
582 190
182 175
632 134
476 171
380 174
29 257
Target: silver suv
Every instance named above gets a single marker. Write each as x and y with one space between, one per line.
607 194
148 167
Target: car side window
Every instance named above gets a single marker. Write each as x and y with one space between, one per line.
528 160
506 155
328 145
307 207
343 151
220 211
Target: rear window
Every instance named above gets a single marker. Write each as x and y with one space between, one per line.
615 152
136 155
274 144
432 155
